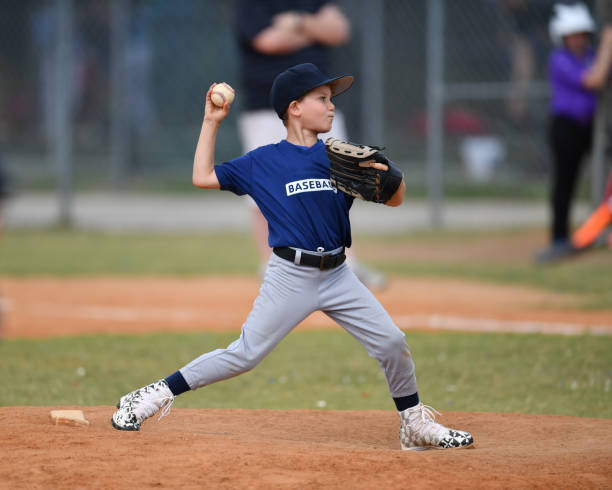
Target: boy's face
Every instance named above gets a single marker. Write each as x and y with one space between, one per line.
318 109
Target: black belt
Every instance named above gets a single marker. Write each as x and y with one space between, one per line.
322 262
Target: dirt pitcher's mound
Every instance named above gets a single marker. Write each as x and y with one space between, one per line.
299 449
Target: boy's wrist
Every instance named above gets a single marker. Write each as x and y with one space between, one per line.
210 121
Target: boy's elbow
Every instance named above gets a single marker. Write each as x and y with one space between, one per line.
209 181
397 198
197 182
395 201
196 178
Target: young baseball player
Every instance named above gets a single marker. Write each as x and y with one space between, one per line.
309 230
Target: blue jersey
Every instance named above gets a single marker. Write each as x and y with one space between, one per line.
291 186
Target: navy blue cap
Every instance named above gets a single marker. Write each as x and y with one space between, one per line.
296 81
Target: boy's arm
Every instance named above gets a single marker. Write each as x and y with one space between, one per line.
204 175
398 197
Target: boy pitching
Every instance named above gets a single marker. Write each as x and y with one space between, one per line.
309 229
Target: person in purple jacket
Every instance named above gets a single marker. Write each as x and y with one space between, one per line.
576 72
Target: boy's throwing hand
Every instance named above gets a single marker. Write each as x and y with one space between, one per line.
211 111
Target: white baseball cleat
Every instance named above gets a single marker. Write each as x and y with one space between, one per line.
419 431
137 406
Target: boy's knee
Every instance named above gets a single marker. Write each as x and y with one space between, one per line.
250 362
395 345
244 362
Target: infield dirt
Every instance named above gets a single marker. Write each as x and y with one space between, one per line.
46 307
299 449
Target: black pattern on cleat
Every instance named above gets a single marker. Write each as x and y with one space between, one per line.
456 439
129 428
137 406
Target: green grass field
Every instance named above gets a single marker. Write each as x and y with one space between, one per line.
474 372
68 253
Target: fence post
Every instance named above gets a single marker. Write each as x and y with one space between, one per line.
435 108
119 137
602 121
62 112
372 74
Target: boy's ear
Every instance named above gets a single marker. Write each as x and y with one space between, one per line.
294 108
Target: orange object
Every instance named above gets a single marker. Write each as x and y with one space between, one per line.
592 227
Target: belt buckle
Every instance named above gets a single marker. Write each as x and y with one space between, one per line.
322 263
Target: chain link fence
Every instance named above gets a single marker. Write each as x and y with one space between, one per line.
108 94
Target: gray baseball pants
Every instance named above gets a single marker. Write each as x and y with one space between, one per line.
287 296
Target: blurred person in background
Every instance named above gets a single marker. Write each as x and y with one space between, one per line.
576 71
89 59
525 38
44 33
274 35
142 116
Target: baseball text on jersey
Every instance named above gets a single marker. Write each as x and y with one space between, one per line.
309 185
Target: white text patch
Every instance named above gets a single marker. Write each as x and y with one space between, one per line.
308 185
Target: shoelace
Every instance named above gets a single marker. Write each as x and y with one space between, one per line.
427 414
428 422
165 409
149 408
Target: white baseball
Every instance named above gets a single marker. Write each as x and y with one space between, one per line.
221 94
